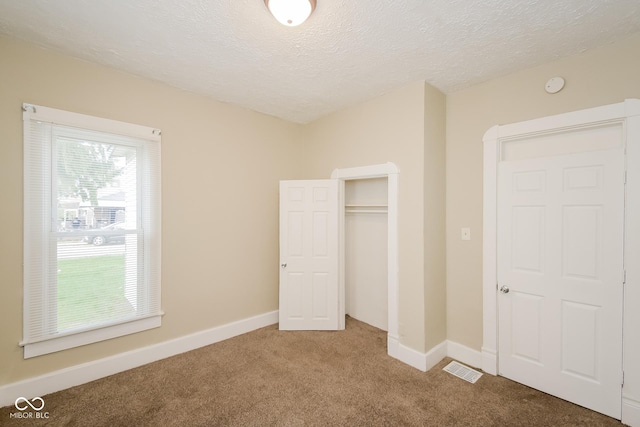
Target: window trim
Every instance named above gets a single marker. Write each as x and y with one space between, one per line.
151 244
90 336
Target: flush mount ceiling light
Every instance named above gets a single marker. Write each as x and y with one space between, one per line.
291 12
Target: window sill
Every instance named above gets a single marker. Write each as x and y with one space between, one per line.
78 339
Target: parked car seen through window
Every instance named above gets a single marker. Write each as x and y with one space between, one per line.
108 237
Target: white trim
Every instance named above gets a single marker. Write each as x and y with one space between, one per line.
68 118
631 326
391 172
435 355
629 112
464 354
426 361
342 291
76 339
564 121
414 358
630 412
489 361
90 371
489 251
363 172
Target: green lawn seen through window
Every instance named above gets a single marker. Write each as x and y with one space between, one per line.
91 291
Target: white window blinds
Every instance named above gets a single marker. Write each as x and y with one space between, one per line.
91 229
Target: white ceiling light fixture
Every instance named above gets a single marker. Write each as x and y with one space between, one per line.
291 12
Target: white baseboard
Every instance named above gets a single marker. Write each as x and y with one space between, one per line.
435 355
421 361
405 354
489 361
464 354
426 361
90 371
630 412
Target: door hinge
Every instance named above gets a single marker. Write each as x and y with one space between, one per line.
622 379
624 277
625 176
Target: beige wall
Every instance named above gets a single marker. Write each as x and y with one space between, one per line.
435 291
215 153
389 128
601 76
220 170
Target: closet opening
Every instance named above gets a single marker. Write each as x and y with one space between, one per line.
365 250
365 203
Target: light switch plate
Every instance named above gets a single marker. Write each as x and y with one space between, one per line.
465 233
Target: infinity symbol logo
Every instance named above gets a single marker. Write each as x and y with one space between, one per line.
25 400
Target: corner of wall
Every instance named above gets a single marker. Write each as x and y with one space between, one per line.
434 216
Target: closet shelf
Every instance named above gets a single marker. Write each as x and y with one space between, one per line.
366 208
364 205
365 211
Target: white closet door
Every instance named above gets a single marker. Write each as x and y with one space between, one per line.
560 270
309 255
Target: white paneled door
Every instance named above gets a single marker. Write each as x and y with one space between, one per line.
560 275
309 255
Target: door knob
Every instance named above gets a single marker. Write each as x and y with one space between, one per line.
283 265
504 289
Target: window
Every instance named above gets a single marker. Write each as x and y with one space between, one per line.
91 229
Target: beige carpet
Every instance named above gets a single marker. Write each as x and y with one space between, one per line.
268 377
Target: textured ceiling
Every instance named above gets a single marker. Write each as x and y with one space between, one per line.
348 51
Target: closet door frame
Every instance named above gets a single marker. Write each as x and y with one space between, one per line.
391 172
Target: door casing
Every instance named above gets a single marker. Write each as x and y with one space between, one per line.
391 172
627 114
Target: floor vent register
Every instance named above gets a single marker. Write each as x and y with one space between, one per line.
461 371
